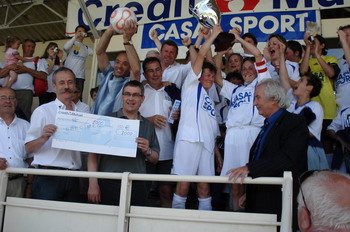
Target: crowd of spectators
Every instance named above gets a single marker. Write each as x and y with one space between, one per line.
281 109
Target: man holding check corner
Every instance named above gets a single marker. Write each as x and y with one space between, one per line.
108 191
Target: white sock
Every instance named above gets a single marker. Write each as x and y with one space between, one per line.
179 202
204 203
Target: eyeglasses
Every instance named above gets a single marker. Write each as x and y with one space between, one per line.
134 95
4 98
303 177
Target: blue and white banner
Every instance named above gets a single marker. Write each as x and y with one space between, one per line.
291 25
155 11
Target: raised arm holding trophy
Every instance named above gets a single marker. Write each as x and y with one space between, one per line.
208 14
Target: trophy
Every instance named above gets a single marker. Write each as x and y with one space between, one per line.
313 29
208 14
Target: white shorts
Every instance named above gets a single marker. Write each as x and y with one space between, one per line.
192 159
238 142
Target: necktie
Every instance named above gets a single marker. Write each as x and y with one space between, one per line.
259 142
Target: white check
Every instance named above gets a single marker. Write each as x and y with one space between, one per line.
95 133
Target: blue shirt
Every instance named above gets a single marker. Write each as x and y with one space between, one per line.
269 122
109 95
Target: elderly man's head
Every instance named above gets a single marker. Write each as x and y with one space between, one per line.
63 82
324 202
270 97
8 102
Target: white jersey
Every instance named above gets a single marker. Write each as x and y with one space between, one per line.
157 102
176 73
242 112
76 58
292 69
315 127
342 85
341 121
198 119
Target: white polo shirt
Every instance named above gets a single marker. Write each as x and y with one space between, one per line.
46 155
25 80
12 142
158 102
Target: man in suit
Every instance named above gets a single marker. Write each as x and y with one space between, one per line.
280 146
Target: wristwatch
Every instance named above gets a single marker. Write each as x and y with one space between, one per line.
149 152
128 43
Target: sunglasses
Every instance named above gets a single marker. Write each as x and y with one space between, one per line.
303 177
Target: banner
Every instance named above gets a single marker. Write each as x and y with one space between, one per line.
154 11
291 25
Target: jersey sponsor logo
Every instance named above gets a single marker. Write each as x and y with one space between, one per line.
320 75
343 78
76 50
208 107
241 98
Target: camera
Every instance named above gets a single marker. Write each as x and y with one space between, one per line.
311 39
56 49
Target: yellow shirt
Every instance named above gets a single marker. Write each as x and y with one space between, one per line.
327 96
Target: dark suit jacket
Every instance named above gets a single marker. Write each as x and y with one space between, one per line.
284 149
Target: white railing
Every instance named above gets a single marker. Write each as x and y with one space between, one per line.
127 214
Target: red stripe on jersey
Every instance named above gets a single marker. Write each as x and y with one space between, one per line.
260 63
262 70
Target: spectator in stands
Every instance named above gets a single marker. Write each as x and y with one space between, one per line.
126 67
81 106
108 191
326 69
77 53
274 65
24 87
339 130
235 62
12 56
39 141
198 129
306 88
93 93
53 56
172 71
294 51
249 38
342 85
159 98
280 146
12 135
324 202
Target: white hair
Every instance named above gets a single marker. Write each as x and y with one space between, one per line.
327 198
274 90
152 52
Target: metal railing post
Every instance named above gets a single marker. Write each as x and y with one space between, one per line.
287 202
124 203
3 188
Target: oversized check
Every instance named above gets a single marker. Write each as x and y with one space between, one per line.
95 133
